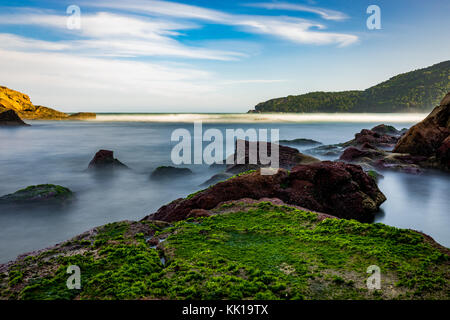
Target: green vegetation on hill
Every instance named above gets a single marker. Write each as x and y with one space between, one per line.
415 91
245 251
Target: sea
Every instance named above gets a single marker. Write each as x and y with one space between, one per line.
59 152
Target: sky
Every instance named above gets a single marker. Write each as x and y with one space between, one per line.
207 55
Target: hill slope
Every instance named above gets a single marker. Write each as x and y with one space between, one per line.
21 104
415 91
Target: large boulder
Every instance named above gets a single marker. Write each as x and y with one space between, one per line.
10 118
288 157
429 137
40 194
336 188
104 159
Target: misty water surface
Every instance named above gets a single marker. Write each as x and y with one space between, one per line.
59 152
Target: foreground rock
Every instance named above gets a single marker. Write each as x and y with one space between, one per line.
430 137
40 194
10 118
104 160
22 105
243 249
335 188
169 172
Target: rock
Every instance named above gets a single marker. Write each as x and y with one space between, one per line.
165 172
10 118
104 159
373 138
335 188
329 150
196 213
384 129
301 142
288 157
217 178
40 194
371 159
429 137
352 153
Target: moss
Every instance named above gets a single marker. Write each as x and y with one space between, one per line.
263 252
39 192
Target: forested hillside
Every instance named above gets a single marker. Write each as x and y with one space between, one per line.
415 91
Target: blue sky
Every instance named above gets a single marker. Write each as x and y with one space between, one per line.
210 56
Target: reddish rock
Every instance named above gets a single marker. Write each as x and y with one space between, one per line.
352 153
429 137
374 138
288 157
335 188
104 159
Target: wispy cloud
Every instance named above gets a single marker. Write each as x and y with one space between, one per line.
326 14
114 35
296 30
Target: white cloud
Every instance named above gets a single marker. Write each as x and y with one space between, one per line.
68 81
324 13
114 35
296 30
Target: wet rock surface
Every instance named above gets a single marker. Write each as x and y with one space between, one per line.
430 137
335 188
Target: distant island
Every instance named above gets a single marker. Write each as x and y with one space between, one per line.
21 104
416 91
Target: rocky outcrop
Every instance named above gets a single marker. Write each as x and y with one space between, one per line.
10 118
40 194
335 188
371 158
287 157
104 160
22 105
430 137
169 172
374 138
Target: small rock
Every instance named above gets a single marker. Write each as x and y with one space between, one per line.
165 172
104 159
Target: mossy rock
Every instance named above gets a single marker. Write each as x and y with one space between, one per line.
253 251
43 193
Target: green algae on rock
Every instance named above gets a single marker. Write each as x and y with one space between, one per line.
242 251
43 193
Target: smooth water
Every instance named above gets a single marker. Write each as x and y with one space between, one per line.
58 152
